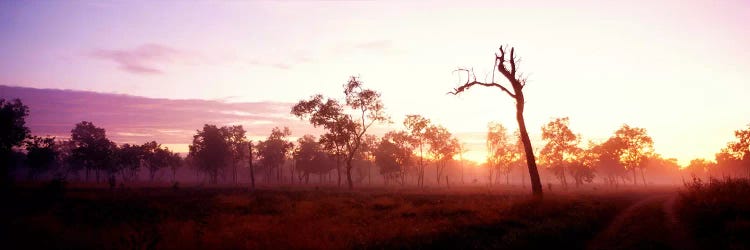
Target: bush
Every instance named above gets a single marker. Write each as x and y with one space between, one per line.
717 212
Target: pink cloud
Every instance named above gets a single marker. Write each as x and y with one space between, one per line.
132 119
139 60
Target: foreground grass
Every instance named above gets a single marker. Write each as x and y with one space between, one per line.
233 218
717 212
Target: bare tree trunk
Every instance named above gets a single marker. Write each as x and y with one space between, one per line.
291 178
634 177
338 171
643 177
349 173
536 182
250 161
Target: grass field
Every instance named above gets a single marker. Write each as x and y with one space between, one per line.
308 218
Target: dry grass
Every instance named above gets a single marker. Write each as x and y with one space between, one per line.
717 212
307 218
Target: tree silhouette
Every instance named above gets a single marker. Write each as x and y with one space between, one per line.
637 147
443 146
14 131
310 158
417 127
607 160
394 153
581 164
508 67
345 131
211 150
273 151
42 154
501 151
250 164
129 158
740 150
561 147
92 150
238 146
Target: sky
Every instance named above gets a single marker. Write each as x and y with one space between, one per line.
679 69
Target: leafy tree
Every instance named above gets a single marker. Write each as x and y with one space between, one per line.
345 131
581 165
211 151
442 148
502 152
607 159
174 161
14 131
561 147
238 145
92 150
740 150
507 67
42 155
729 165
273 151
155 158
328 114
417 127
393 154
698 168
310 158
129 158
637 147
364 159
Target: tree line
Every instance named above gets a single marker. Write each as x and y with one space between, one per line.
346 148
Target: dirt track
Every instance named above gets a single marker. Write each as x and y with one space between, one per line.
650 223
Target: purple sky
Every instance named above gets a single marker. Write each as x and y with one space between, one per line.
677 68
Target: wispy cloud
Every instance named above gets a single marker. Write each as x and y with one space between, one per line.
143 59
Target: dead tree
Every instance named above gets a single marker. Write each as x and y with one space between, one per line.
507 67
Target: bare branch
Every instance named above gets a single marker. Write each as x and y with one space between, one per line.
468 85
512 61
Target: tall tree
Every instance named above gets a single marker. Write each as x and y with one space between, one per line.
210 151
238 146
13 126
501 151
581 165
310 158
417 127
561 147
92 150
273 151
638 146
507 67
740 149
154 158
607 159
442 148
129 158
42 155
250 164
393 155
367 109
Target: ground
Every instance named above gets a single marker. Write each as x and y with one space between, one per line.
328 218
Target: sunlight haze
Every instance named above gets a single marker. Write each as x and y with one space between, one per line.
679 69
